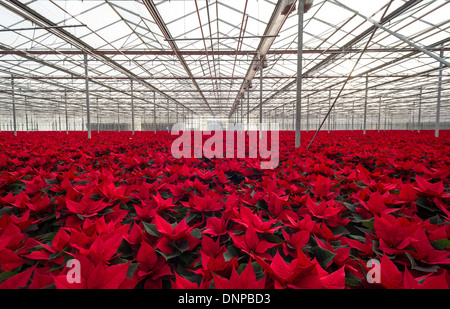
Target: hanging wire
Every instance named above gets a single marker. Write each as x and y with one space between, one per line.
348 77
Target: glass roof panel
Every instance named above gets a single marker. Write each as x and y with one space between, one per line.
215 43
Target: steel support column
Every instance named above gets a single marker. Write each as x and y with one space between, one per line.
14 105
353 116
242 111
87 96
26 114
82 118
154 112
307 116
420 111
329 106
98 123
260 95
65 107
438 107
298 114
379 116
365 104
318 118
294 117
248 109
59 118
132 108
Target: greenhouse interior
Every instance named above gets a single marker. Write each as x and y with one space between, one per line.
314 134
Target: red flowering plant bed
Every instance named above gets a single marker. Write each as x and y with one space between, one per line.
133 216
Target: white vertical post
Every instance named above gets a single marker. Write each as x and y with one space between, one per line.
353 115
420 111
318 118
365 104
307 116
248 108
438 107
14 105
98 123
298 117
154 112
82 118
329 106
26 113
293 116
347 126
59 117
379 116
132 108
241 101
87 96
67 118
260 95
